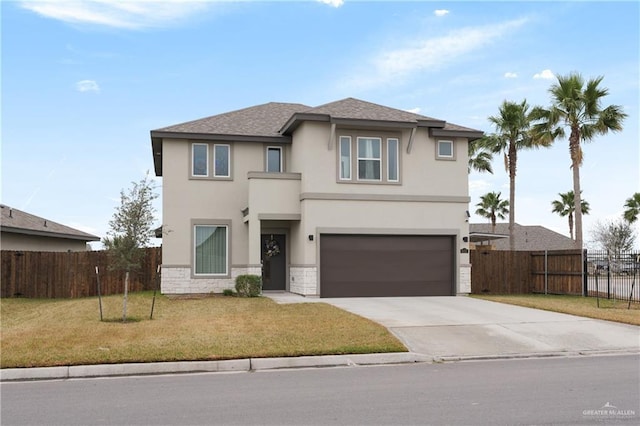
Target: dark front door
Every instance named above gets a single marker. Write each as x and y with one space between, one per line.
274 262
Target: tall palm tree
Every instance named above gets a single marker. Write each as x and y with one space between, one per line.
492 207
513 125
565 207
479 157
577 107
632 208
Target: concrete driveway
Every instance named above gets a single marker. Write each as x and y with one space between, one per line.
463 327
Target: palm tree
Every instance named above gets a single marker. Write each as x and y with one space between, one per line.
577 107
565 207
492 207
479 157
632 208
513 125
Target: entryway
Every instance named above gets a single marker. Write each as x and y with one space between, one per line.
274 262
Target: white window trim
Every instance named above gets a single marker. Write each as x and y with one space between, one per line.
266 158
226 264
397 179
215 172
193 151
348 140
379 160
439 155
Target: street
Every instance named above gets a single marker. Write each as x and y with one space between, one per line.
581 390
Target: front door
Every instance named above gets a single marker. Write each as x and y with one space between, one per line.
274 262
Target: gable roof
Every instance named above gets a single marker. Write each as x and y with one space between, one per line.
276 121
20 222
528 237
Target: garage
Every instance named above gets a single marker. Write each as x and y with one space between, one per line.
386 265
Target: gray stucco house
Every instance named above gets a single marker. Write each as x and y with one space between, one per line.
349 198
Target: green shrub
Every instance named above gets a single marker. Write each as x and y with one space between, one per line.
249 285
227 292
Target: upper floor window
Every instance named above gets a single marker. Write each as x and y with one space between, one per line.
369 158
211 163
200 159
445 150
345 158
392 160
221 160
274 159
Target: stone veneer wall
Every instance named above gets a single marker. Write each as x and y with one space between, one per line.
303 280
465 279
179 281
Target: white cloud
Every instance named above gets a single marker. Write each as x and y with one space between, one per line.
87 86
334 3
477 186
429 54
545 75
127 14
415 110
510 75
441 12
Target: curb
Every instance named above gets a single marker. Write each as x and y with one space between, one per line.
534 355
248 364
262 364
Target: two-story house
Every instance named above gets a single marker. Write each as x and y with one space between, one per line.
346 199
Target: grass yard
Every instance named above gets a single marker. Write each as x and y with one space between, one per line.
609 310
41 333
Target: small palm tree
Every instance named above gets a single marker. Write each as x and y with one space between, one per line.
577 107
492 207
479 157
513 133
632 208
565 206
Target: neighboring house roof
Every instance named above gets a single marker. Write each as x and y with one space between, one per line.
527 237
275 121
19 222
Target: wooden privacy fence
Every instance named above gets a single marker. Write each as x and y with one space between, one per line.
71 274
525 272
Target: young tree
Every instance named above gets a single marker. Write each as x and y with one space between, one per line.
577 107
632 208
513 125
565 207
479 157
614 236
131 230
492 207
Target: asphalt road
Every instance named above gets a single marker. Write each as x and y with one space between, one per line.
583 390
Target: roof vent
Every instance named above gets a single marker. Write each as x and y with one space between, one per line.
10 212
45 223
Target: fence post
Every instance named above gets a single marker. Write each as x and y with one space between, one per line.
608 275
585 274
546 272
99 293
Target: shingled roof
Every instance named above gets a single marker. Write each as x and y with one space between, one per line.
527 237
260 120
275 121
20 222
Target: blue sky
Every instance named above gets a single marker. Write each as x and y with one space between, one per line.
84 82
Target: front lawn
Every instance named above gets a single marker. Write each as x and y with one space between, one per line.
610 310
40 333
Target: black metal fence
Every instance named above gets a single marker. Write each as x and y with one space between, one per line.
613 275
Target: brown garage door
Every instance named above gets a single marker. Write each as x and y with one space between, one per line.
386 265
